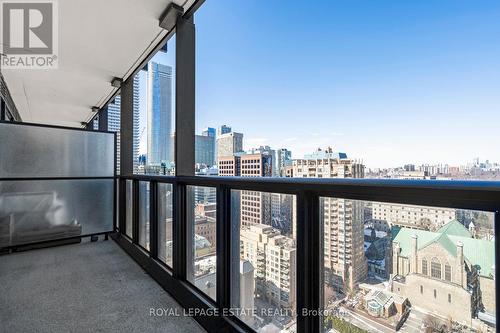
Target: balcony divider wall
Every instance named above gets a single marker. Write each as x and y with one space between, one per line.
50 188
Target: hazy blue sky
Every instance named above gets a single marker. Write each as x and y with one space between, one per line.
389 82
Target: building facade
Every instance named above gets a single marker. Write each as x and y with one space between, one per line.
343 220
205 149
229 144
414 217
273 257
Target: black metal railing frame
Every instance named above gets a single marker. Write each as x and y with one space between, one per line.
471 195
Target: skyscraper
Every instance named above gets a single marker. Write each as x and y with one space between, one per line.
205 147
160 115
114 118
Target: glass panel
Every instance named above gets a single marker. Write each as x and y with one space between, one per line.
154 113
202 227
263 259
34 151
165 220
144 215
129 207
384 260
33 211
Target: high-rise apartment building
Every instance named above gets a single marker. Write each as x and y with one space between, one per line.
343 220
160 115
229 144
273 257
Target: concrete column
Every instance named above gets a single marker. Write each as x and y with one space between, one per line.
103 119
127 127
185 97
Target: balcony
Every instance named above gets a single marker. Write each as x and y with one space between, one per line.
87 242
78 286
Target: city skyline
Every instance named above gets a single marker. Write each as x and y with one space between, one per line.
399 100
422 93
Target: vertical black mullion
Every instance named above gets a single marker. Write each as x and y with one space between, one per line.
135 211
116 187
2 109
189 229
179 231
122 202
153 219
223 246
308 260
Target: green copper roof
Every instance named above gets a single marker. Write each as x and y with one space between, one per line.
454 228
478 252
444 241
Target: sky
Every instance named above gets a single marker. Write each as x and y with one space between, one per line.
388 82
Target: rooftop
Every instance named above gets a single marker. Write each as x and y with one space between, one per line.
477 251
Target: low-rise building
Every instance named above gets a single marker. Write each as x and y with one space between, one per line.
410 216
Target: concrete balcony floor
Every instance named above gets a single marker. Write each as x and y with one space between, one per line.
87 287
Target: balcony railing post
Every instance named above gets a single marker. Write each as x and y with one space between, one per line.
153 219
308 262
2 109
122 203
179 250
135 211
224 242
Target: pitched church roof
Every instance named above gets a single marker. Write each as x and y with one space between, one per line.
454 228
478 252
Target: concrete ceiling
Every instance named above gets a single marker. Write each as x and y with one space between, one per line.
98 40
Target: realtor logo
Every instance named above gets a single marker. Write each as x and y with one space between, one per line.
29 34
